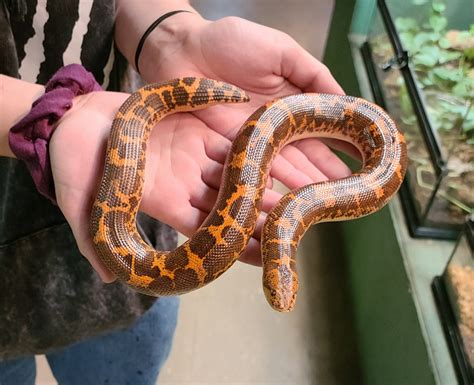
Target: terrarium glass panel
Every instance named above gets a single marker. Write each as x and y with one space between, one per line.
459 283
398 104
439 40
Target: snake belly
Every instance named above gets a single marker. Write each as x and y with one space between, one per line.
225 233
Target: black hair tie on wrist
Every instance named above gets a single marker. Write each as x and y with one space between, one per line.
148 31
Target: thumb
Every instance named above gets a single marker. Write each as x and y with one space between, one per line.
78 219
307 73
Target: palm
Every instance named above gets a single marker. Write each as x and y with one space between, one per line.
267 64
184 164
186 152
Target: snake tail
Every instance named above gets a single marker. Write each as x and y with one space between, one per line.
383 152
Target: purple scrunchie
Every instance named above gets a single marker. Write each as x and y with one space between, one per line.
29 138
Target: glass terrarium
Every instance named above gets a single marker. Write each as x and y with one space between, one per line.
454 293
419 57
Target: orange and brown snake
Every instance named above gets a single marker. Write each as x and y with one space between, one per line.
220 240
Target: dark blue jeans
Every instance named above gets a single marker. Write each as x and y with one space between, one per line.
130 356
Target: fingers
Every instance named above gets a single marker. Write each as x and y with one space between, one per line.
289 173
225 120
216 146
203 198
306 72
344 147
320 156
307 161
79 223
251 254
292 168
193 219
87 250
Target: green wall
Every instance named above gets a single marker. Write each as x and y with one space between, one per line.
391 345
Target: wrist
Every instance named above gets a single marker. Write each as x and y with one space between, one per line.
16 98
166 40
29 138
133 19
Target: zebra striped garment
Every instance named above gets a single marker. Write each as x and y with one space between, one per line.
48 34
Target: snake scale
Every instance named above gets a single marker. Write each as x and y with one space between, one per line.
218 243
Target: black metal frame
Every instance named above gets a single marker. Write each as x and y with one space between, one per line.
416 223
451 331
413 91
462 365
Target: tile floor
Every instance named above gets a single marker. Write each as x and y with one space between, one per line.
227 334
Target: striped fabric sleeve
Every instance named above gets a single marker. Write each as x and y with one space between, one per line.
54 33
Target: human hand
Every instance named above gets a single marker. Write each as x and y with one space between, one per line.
181 178
267 64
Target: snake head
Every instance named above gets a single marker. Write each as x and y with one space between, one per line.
281 289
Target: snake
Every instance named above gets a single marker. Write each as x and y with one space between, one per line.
225 233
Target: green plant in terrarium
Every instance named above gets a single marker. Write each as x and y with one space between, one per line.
443 61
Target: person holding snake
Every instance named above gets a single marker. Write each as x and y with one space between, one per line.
52 302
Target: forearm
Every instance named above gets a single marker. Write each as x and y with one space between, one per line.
133 18
16 98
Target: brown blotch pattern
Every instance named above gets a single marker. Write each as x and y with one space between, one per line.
223 236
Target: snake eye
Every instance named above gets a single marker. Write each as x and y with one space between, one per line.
273 292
